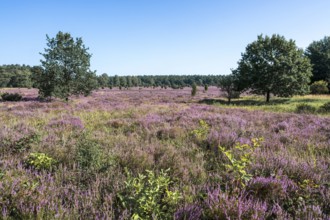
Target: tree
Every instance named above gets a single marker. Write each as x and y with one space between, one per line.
103 80
15 76
319 54
206 87
319 87
65 68
229 85
193 89
274 65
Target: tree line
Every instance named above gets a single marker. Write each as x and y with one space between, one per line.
15 76
23 76
164 81
271 65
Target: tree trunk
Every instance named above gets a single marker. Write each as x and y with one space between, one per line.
229 100
268 96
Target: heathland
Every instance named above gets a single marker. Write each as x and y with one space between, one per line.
157 153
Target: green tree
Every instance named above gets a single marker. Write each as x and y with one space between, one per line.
15 76
206 87
65 68
274 65
103 80
228 85
193 89
116 81
319 54
44 82
319 87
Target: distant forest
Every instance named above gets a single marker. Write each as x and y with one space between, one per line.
21 76
16 76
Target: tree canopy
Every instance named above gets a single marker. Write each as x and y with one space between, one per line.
274 65
65 69
15 76
230 86
319 54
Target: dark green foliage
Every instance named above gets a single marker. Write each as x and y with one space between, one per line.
44 82
13 97
65 70
15 76
229 85
305 109
165 81
103 81
274 65
319 54
319 87
89 155
193 89
325 108
26 76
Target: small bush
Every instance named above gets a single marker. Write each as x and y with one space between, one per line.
40 161
238 165
305 109
89 155
325 108
149 197
319 87
193 89
13 97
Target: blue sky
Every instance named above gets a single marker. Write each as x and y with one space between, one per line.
158 36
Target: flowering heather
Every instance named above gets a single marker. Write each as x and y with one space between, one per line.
94 139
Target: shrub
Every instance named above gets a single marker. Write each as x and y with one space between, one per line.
89 155
238 164
201 132
149 197
40 161
193 89
13 97
305 109
319 87
325 108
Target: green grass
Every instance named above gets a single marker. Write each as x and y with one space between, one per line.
276 104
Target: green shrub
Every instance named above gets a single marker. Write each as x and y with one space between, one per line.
320 87
149 197
14 97
89 155
305 109
202 131
325 108
40 161
193 89
238 164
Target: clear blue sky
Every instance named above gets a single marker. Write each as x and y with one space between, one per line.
157 36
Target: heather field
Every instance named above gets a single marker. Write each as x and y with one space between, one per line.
163 154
